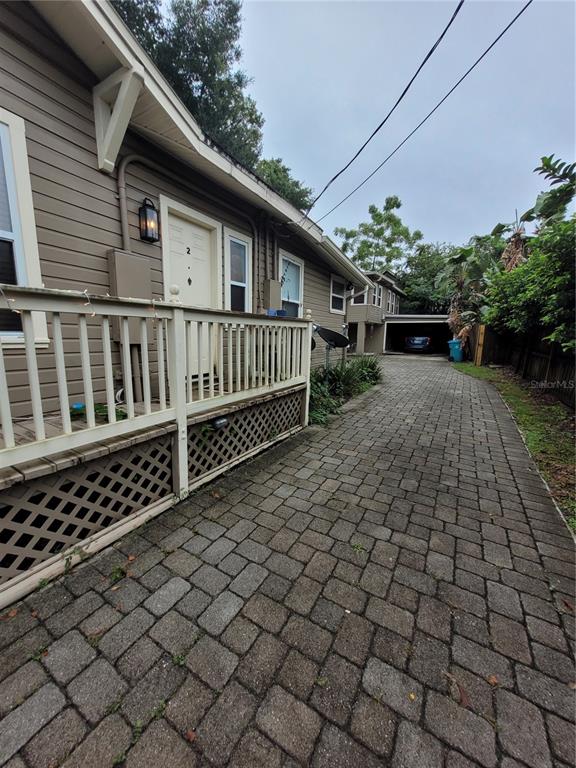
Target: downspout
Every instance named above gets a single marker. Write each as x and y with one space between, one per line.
122 202
121 182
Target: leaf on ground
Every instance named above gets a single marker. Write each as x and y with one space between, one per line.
131 558
10 615
492 680
190 736
568 604
458 691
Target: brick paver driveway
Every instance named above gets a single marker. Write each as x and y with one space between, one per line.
392 590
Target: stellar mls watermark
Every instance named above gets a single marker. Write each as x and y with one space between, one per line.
563 384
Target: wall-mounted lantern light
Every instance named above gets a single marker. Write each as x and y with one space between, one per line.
148 217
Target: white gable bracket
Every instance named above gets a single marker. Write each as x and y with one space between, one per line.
112 115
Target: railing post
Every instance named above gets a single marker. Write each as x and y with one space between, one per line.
177 385
305 352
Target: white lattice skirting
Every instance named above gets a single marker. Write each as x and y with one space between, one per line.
43 521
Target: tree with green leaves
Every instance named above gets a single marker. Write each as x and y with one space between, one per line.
277 175
539 293
200 56
553 203
524 284
419 279
381 243
465 277
144 19
195 44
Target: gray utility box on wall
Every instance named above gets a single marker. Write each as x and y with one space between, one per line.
130 278
272 294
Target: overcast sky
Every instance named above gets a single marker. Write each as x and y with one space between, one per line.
326 73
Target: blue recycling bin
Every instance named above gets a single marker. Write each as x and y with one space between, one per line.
456 353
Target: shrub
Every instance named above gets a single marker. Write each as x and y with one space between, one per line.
322 403
330 386
539 294
343 380
368 369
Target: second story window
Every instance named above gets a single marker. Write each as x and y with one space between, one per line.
337 295
360 298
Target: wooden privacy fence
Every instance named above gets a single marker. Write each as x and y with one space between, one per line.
111 367
545 365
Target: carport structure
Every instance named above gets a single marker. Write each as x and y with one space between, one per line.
397 327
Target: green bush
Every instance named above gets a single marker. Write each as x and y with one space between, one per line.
329 387
539 293
368 369
322 403
343 380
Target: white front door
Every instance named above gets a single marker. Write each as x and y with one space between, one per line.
192 260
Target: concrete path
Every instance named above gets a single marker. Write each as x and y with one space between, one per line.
394 589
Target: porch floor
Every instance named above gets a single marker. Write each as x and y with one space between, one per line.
396 587
24 427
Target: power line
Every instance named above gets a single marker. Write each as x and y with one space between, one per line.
398 100
429 115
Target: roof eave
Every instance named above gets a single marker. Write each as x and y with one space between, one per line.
111 41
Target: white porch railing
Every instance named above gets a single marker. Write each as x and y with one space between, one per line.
113 366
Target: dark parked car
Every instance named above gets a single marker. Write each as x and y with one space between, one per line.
417 344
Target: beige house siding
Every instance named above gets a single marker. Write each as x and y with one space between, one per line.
76 206
363 313
317 298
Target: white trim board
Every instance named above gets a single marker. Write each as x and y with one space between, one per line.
26 255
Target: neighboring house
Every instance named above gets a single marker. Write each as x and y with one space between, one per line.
367 311
109 188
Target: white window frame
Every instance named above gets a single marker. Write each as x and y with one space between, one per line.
389 295
284 255
229 236
364 296
342 296
378 295
23 234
